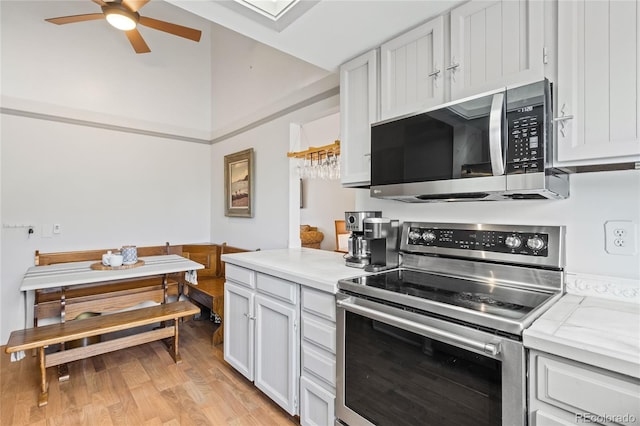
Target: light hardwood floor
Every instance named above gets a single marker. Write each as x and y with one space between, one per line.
140 386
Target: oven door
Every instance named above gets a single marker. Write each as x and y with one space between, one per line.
397 367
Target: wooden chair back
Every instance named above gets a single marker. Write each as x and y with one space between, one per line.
226 249
205 254
42 259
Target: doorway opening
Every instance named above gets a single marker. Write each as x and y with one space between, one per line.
320 202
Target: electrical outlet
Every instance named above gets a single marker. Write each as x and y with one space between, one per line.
620 237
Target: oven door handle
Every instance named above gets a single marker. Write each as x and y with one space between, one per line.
425 330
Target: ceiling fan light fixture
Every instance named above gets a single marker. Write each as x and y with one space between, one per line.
121 18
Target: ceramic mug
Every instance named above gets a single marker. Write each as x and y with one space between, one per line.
129 255
115 260
105 258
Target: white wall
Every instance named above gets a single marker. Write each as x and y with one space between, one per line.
269 228
324 201
89 71
249 77
595 198
105 188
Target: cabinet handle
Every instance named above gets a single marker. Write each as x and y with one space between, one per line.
249 316
562 119
367 155
453 68
435 74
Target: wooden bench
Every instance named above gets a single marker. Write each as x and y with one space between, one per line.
41 337
209 291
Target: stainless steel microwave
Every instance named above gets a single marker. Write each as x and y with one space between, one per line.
496 146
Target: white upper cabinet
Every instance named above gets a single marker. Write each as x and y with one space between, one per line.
358 109
598 82
495 44
412 70
488 45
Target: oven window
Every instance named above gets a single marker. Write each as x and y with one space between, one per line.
395 377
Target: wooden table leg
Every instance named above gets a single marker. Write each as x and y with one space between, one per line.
63 369
176 354
44 388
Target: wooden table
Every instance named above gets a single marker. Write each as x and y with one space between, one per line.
70 289
75 287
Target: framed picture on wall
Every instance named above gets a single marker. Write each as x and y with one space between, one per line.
238 184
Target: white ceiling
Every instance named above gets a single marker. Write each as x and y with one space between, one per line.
330 32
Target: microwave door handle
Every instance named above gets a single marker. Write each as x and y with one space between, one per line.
495 135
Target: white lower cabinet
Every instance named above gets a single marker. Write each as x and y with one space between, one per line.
318 348
238 327
317 405
261 334
564 392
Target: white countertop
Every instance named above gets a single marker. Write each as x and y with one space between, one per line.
592 330
319 269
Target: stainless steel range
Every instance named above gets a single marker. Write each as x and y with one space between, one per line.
438 341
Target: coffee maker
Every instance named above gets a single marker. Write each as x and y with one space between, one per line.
382 235
359 255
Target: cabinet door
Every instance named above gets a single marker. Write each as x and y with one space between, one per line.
277 352
411 73
495 44
598 81
358 109
317 405
239 328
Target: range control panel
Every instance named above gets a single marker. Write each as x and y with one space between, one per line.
512 242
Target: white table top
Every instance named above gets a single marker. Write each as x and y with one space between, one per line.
75 273
319 269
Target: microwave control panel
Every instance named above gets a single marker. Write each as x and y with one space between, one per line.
525 147
522 243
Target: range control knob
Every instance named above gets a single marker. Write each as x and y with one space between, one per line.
414 235
429 236
513 241
535 243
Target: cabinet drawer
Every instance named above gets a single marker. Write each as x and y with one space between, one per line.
582 389
319 333
278 288
240 275
319 365
319 303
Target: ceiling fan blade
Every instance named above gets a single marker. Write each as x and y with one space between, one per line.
138 43
170 28
99 3
75 18
134 5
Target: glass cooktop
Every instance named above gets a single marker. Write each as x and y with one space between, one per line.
450 296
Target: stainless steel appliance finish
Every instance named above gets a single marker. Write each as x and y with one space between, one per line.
382 234
438 340
359 254
495 146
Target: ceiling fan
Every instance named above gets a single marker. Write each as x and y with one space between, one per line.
123 15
